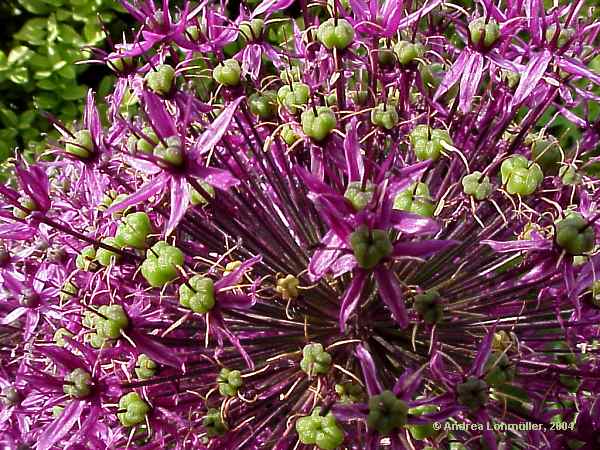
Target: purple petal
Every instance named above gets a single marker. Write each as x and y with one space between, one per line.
422 249
61 425
483 353
369 371
354 160
408 383
161 120
271 6
351 297
346 413
417 15
390 293
91 119
35 183
414 223
576 68
514 246
454 74
227 300
235 276
220 328
342 265
180 200
217 129
151 188
534 72
16 231
155 350
321 260
251 59
14 315
219 178
470 81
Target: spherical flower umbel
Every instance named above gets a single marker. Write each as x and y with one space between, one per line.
336 226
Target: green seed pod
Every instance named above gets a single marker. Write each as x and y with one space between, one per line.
264 105
251 30
78 384
144 145
145 368
370 247
420 432
477 186
322 431
473 393
359 198
408 52
116 320
123 64
575 234
135 408
564 35
59 336
547 153
315 360
429 306
97 341
293 96
350 392
171 154
85 258
569 175
385 56
107 257
28 204
415 199
427 142
10 396
83 146
520 175
198 199
499 370
319 125
384 116
160 265
228 73
69 290
335 33
291 74
213 423
161 80
193 32
288 135
198 294
484 34
133 230
229 382
386 413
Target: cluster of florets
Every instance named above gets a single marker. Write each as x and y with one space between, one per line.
330 226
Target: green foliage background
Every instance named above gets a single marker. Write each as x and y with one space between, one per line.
40 45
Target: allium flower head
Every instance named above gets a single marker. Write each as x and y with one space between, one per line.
326 225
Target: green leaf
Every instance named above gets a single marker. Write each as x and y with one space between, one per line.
19 55
93 33
3 60
35 6
46 100
105 86
62 15
8 118
67 72
52 29
38 62
68 35
33 31
19 75
54 3
26 119
74 92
